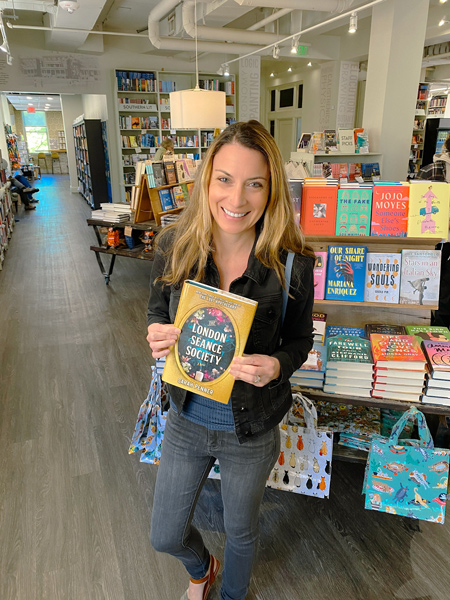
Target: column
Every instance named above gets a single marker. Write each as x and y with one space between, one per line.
397 38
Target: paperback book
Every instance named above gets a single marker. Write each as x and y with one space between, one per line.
158 174
428 209
346 270
295 186
434 333
166 199
385 329
169 169
342 330
320 275
353 211
318 211
319 325
420 274
316 361
390 210
438 358
382 277
397 352
342 350
214 329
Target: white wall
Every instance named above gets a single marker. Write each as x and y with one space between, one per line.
71 107
94 106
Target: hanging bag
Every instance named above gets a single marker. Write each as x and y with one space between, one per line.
304 464
409 479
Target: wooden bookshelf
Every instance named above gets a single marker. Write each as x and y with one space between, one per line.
149 204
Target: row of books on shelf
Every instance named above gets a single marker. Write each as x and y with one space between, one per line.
129 122
384 208
353 273
345 141
217 85
176 196
140 102
346 172
410 363
135 81
145 140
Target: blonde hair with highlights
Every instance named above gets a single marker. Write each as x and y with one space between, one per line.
191 235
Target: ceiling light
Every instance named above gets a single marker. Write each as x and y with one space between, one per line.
290 70
276 52
442 1
353 26
443 21
9 24
226 70
294 48
272 75
70 5
29 97
30 104
309 64
220 71
49 98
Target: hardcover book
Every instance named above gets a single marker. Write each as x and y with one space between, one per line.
330 140
420 274
429 332
214 329
316 361
353 211
333 330
295 186
382 277
345 390
346 270
320 275
178 196
318 211
386 329
182 173
169 168
390 210
319 325
397 351
158 174
438 358
428 209
342 350
166 199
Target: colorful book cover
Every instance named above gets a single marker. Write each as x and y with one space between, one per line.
382 277
295 186
390 205
428 209
346 271
178 196
182 174
437 355
348 349
214 329
420 275
342 330
135 123
330 140
320 275
169 168
384 328
316 361
318 211
353 211
434 333
166 199
396 349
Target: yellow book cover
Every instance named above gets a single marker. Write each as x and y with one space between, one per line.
214 329
428 209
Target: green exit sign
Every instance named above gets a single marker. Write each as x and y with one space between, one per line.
302 50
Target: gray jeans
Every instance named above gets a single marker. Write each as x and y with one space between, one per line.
188 453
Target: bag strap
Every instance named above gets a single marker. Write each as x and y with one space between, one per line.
287 281
424 432
309 411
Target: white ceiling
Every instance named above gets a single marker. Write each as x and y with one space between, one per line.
38 101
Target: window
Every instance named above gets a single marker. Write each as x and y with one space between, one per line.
272 128
287 98
300 96
272 100
36 131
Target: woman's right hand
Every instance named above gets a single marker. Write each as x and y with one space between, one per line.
161 338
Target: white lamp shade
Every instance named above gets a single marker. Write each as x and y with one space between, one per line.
197 109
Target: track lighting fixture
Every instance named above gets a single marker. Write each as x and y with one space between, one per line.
226 70
353 23
309 64
276 52
294 48
272 75
443 21
4 47
290 70
220 71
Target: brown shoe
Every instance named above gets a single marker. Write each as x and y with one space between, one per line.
29 207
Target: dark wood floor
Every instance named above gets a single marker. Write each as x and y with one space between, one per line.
75 507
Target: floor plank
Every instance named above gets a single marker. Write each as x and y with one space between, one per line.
75 506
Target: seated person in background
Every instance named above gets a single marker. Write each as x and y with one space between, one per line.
19 176
25 192
165 148
439 170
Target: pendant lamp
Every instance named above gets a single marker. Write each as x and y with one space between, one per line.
197 108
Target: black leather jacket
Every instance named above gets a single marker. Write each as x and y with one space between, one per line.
256 410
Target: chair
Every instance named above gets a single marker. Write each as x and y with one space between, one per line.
55 158
42 156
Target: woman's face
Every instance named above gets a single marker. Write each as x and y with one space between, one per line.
239 188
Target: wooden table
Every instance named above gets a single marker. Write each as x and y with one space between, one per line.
137 252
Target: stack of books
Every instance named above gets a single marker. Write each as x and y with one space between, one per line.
112 212
437 390
399 367
312 372
349 368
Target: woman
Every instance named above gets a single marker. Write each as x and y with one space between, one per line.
439 169
234 235
165 148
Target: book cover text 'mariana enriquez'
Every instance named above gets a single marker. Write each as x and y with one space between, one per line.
214 329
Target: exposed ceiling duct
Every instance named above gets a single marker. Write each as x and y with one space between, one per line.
318 5
42 6
85 18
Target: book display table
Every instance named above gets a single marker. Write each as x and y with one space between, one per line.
137 252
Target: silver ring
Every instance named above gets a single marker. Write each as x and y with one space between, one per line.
257 379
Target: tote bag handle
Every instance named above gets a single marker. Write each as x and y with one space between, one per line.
424 432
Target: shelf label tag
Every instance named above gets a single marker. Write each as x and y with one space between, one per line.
138 150
128 230
173 132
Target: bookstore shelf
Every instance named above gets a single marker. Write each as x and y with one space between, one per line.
380 305
6 220
90 161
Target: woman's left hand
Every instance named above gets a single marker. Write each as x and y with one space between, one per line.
257 369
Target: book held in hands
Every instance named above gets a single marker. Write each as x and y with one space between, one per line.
214 329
